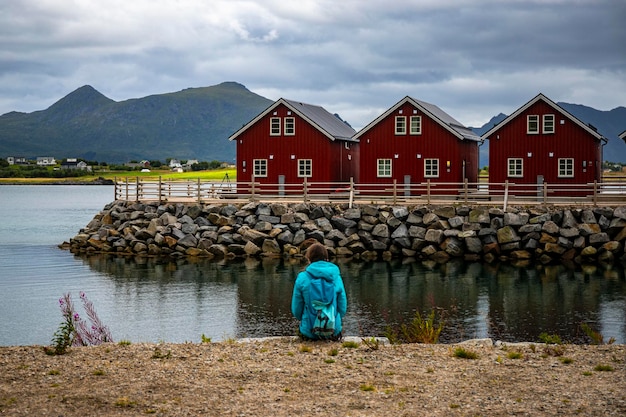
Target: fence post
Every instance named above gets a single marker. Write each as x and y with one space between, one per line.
159 190
305 189
595 193
351 192
252 188
126 198
506 194
545 192
137 191
428 191
465 188
395 191
114 188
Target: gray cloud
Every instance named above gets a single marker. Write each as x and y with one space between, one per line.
472 58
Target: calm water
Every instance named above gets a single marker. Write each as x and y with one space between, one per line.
155 300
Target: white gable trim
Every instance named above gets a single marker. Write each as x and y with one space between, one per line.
552 104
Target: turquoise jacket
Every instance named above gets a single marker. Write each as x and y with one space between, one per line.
328 271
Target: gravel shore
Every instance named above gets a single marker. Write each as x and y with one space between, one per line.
287 377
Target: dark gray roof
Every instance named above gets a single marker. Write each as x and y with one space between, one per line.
329 124
435 113
317 115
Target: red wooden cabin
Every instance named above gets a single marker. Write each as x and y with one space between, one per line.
414 142
542 142
291 142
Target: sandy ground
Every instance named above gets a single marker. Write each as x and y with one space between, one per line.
286 377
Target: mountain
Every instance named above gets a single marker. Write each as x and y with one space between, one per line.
609 124
194 123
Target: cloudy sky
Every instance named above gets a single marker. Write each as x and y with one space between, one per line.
472 58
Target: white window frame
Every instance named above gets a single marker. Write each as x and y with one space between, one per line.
383 168
305 168
290 126
548 123
415 127
515 168
275 126
431 168
566 168
259 168
534 120
400 125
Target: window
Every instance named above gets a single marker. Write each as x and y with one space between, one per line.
431 168
566 167
260 168
533 124
384 167
275 126
400 125
416 125
305 168
515 166
290 126
548 123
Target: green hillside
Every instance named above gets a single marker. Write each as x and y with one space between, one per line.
194 123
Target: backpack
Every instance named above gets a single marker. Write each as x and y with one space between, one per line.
322 307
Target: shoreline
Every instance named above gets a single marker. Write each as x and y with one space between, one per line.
285 377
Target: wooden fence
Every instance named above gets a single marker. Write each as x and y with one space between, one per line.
429 192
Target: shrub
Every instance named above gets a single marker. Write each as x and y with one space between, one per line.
74 331
464 353
419 330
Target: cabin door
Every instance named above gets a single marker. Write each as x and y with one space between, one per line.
407 185
281 185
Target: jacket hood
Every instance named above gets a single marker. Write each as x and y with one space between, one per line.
323 269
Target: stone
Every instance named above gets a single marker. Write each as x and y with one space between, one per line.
434 236
507 235
456 222
598 238
381 230
452 246
550 227
270 246
513 219
473 245
445 212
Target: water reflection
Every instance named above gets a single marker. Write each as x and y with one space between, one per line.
251 298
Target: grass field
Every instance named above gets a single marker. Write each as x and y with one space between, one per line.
209 175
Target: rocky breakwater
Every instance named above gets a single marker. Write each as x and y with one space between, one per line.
543 234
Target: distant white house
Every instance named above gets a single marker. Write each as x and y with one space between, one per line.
46 160
176 166
73 163
187 166
17 160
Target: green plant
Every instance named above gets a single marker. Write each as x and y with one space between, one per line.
124 342
205 339
74 331
305 348
603 368
350 344
565 360
550 339
333 352
367 387
514 355
372 343
419 330
158 354
463 353
596 337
